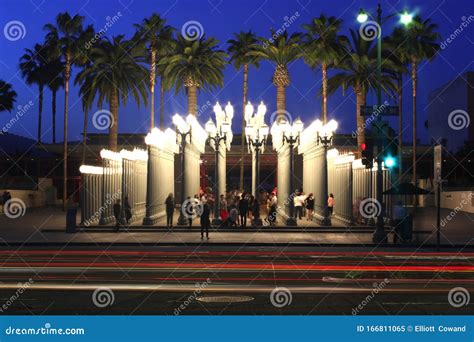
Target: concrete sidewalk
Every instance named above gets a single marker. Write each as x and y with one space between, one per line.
47 226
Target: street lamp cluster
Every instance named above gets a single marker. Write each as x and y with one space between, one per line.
288 134
218 133
256 133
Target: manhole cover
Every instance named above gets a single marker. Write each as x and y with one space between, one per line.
225 299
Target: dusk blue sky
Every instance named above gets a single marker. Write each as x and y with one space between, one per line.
220 19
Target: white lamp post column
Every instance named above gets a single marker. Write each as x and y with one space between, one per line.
220 138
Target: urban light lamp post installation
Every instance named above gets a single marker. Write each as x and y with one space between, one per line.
325 137
217 134
290 135
405 18
256 133
183 130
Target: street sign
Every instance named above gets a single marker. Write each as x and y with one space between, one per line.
375 111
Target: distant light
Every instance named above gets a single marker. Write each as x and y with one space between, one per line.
389 161
406 18
362 17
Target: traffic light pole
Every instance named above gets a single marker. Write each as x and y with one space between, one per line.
380 236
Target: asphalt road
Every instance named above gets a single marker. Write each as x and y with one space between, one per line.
229 280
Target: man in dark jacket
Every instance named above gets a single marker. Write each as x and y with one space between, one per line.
243 209
169 210
205 221
117 213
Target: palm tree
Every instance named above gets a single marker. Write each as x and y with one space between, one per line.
65 37
33 67
281 52
115 74
359 72
194 65
7 96
393 46
55 81
421 44
87 98
240 50
158 37
323 46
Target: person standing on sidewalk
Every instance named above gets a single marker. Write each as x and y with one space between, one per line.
243 209
169 203
309 203
298 202
117 214
205 221
330 204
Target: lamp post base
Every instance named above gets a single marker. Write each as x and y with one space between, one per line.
216 222
380 236
182 221
326 221
257 222
291 221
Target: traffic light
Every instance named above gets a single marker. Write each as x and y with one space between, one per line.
367 152
390 153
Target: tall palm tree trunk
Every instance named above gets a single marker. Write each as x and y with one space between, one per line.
53 107
414 84
400 123
360 101
281 102
162 104
84 136
152 88
192 99
113 130
324 72
40 112
67 75
242 143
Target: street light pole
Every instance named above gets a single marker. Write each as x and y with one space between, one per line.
182 221
291 141
257 144
325 141
216 140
